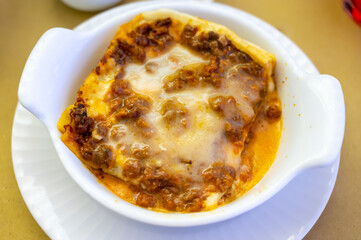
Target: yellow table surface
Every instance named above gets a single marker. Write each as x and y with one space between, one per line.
320 27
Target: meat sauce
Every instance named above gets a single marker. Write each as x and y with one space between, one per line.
244 119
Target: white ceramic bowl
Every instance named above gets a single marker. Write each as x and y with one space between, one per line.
90 5
313 107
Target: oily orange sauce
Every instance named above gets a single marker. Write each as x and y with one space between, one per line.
261 150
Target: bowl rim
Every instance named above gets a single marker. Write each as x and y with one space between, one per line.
148 216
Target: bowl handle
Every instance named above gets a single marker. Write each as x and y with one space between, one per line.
328 92
38 91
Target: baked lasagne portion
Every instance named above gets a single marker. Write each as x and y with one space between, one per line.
175 115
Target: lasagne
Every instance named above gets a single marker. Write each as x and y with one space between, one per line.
180 114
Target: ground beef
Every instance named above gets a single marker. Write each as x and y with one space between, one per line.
219 175
188 34
124 102
171 202
190 200
153 179
117 132
119 89
155 35
273 109
251 69
125 52
90 136
141 151
234 131
226 106
213 73
131 168
133 107
83 124
103 156
145 127
145 200
174 113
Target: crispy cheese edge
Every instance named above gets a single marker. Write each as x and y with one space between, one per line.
67 137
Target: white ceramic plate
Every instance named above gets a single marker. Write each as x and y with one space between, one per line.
64 211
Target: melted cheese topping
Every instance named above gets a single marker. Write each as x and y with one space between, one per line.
202 141
152 82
